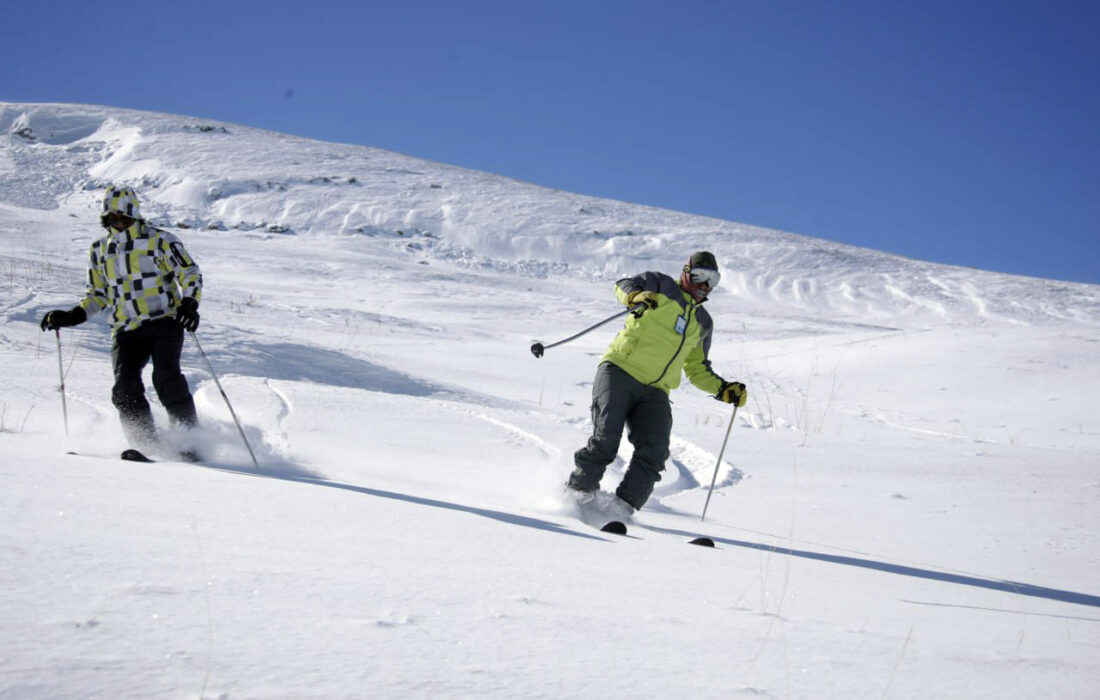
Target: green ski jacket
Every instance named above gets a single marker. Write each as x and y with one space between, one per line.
658 345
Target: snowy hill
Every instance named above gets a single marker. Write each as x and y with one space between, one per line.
293 186
906 508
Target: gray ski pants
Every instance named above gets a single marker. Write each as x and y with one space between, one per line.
618 400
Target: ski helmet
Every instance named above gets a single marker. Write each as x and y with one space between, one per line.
700 274
703 258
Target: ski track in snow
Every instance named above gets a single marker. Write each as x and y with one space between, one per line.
544 447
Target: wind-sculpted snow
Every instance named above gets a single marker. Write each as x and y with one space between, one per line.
196 173
55 125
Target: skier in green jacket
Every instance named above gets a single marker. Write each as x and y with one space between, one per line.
669 334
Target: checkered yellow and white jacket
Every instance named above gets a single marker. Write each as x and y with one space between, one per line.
140 274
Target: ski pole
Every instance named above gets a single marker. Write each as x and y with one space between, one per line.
229 405
717 464
61 374
538 348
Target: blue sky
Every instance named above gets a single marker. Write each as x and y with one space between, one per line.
963 132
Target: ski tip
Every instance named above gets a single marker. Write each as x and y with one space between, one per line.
614 527
703 541
133 455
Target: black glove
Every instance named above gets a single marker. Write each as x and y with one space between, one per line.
187 313
60 318
733 392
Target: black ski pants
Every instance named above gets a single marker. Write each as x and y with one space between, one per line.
162 342
619 400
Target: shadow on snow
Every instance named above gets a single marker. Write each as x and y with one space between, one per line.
501 516
305 363
1016 587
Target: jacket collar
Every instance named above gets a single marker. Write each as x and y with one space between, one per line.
689 299
128 234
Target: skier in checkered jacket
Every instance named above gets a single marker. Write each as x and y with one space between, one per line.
151 286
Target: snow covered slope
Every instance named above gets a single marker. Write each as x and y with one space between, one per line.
907 506
294 186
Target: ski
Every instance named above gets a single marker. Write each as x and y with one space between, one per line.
614 527
699 540
618 527
132 455
594 513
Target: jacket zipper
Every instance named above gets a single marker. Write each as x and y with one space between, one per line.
683 339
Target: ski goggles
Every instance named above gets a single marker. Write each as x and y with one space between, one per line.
704 276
